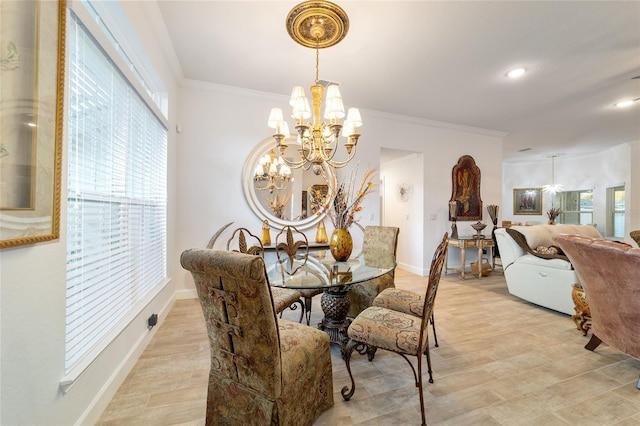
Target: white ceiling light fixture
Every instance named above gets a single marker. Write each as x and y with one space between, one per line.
625 104
317 25
553 188
516 72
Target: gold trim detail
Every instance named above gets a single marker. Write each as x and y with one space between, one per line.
317 24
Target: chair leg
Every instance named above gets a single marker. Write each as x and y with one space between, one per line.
348 350
307 309
428 354
419 384
593 343
293 307
371 353
302 308
433 325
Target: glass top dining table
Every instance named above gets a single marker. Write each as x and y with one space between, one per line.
321 271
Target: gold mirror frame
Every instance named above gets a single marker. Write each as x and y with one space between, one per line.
254 197
31 114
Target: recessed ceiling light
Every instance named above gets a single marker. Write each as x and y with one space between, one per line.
624 104
517 72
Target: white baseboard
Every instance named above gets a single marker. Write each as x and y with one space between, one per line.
186 293
413 269
110 387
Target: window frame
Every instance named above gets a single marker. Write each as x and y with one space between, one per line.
85 18
580 212
612 211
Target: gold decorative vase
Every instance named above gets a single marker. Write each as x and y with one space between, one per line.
321 233
266 235
341 244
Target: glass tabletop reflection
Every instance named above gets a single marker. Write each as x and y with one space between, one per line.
321 271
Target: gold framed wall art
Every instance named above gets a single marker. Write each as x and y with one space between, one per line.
32 36
465 193
527 201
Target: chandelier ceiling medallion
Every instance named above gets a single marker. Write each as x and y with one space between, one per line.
317 25
553 188
271 173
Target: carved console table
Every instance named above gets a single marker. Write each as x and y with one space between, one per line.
463 243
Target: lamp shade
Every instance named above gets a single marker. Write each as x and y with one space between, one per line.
348 128
275 117
296 93
354 117
284 129
301 109
334 108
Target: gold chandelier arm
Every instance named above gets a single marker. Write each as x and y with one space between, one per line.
341 164
294 164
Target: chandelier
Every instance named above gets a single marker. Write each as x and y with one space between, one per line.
317 24
553 188
271 173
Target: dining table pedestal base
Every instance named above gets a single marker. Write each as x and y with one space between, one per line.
335 305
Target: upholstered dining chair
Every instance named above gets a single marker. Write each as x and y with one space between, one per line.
292 250
377 241
283 298
399 332
263 370
405 301
609 273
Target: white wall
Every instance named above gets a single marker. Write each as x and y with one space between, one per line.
611 167
32 314
407 215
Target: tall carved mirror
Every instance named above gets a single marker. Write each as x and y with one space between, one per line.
278 193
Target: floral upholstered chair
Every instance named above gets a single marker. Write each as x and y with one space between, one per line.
263 370
377 241
635 235
399 332
283 298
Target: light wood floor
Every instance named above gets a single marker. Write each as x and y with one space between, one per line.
501 361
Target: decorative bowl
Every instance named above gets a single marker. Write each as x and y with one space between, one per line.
478 226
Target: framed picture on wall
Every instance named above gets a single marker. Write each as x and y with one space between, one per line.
31 82
465 199
527 201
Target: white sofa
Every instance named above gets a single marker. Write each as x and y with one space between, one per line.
544 281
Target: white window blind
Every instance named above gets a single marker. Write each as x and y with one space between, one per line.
116 213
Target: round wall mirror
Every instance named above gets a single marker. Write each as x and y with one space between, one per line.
278 193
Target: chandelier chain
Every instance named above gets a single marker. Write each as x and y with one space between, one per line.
317 60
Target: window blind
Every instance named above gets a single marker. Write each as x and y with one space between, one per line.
116 211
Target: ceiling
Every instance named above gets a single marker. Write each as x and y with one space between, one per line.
443 61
